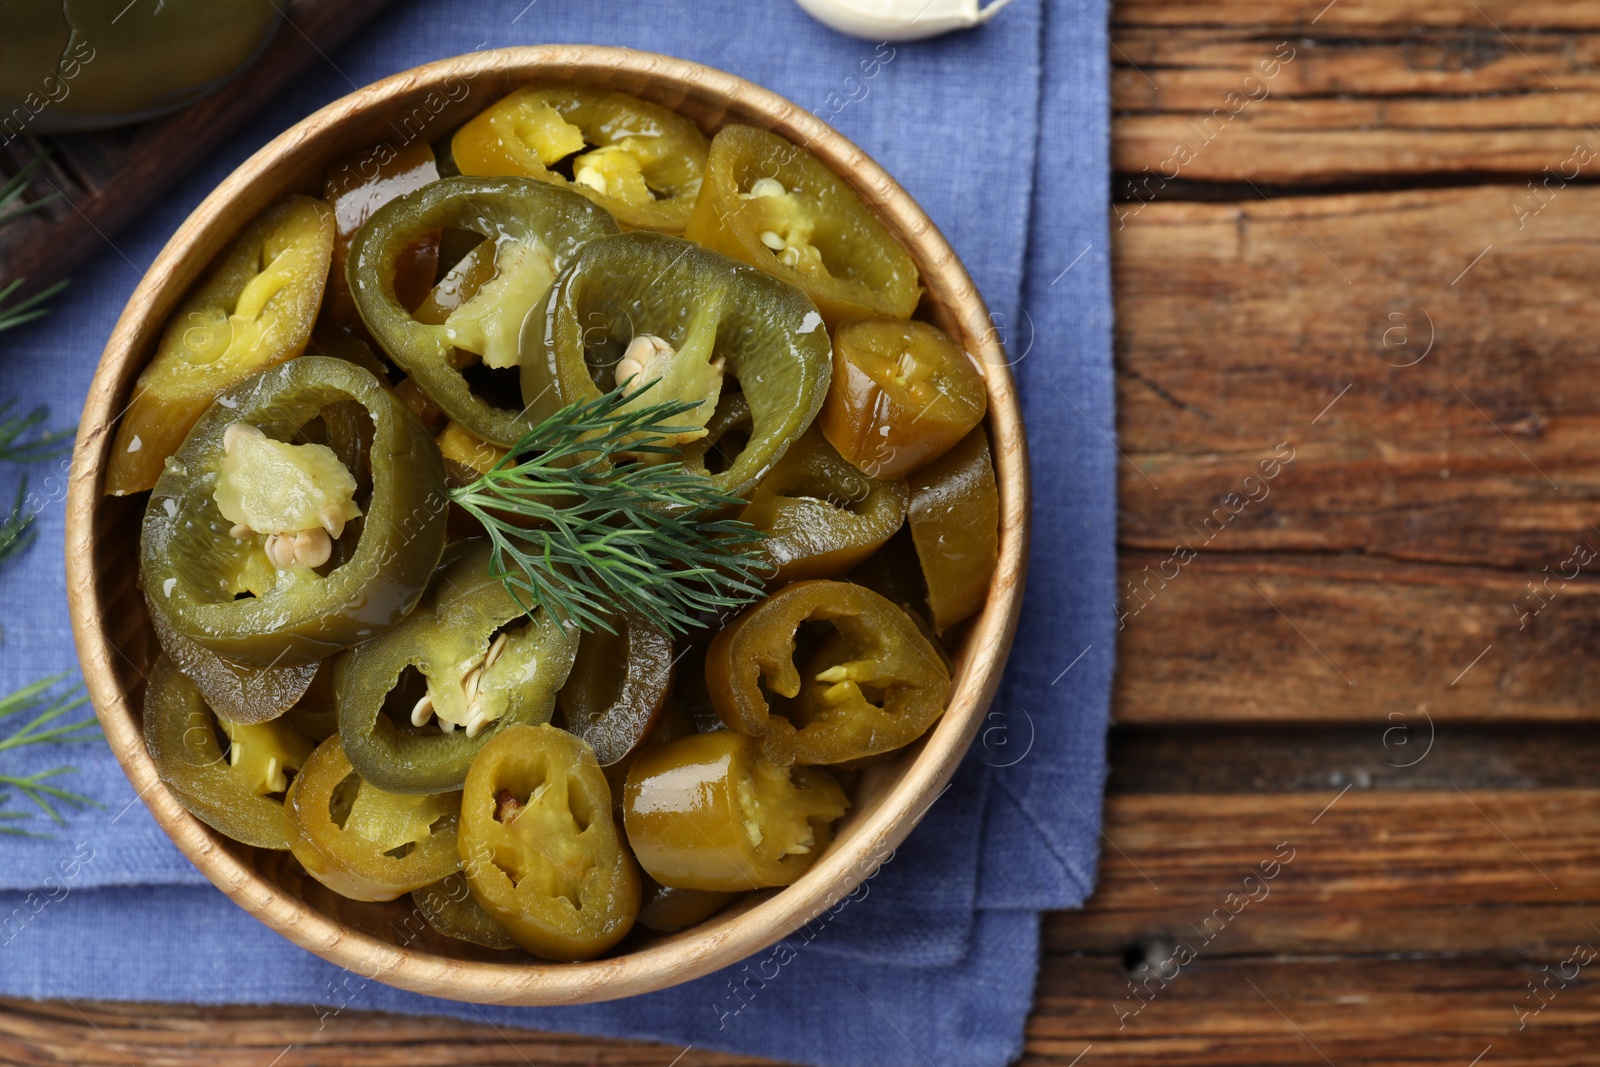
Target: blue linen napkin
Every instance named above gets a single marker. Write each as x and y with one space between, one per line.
1001 134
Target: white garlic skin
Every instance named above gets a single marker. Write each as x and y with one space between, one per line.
900 20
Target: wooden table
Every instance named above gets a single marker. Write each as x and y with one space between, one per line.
1380 664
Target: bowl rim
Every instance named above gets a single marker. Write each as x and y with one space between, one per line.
720 941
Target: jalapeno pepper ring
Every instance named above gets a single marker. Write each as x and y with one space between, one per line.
222 591
821 516
450 908
478 683
256 310
638 160
537 228
954 517
236 692
709 812
540 847
617 687
236 792
774 205
700 313
903 393
871 686
363 842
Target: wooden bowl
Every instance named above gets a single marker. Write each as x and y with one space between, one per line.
389 942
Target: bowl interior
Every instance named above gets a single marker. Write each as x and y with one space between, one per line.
390 941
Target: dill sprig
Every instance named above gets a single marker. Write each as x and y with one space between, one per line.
13 207
15 428
20 444
45 728
16 529
580 534
25 310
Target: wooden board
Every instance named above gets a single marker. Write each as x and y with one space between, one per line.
1382 176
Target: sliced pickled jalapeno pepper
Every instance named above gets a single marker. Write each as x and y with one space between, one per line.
674 721
238 792
894 573
955 524
649 308
773 204
235 691
871 684
902 394
450 908
478 676
639 161
727 432
475 269
535 228
540 847
667 910
821 516
708 812
308 580
617 687
255 311
314 714
365 843
357 185
466 455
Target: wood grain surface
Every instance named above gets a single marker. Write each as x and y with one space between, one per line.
1384 664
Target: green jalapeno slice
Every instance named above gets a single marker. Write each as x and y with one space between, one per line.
301 569
363 842
638 160
774 205
540 847
535 228
709 812
821 516
238 692
617 687
475 675
867 685
255 311
450 908
238 791
648 308
954 517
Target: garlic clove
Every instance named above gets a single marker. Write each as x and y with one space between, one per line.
899 20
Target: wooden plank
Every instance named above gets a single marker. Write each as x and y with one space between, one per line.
1411 751
1244 637
1357 936
1353 872
1358 16
1273 106
87 1033
1192 67
1415 353
1305 1011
